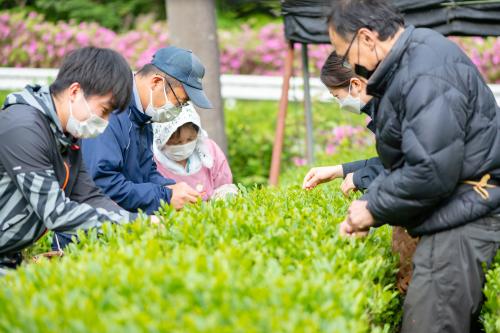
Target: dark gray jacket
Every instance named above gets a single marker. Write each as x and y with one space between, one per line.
43 183
437 125
365 171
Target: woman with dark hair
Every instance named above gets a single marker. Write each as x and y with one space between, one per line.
349 91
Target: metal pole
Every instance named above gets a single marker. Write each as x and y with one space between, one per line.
307 105
280 122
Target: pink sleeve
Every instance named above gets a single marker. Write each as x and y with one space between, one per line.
221 173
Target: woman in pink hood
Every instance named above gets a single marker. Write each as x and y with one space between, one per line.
183 152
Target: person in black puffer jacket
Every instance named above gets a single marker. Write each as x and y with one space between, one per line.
438 137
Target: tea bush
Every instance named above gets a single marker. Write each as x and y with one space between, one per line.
267 261
491 308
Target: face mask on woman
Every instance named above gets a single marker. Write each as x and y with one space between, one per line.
89 128
179 152
164 113
350 103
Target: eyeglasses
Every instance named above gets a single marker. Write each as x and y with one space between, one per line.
179 103
345 63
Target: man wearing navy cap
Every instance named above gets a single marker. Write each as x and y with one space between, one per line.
121 160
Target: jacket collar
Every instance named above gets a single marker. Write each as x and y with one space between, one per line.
136 112
385 71
40 98
369 107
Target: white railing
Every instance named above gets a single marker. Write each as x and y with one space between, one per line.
252 87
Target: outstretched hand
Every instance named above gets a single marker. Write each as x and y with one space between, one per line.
320 175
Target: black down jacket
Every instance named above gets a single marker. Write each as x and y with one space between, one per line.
437 125
365 171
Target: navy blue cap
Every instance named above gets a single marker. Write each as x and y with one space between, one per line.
186 68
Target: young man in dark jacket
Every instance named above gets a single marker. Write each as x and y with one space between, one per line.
43 183
438 137
121 159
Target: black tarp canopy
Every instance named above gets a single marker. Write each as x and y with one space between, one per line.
456 18
305 19
305 23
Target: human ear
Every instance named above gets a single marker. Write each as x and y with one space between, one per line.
367 37
73 91
156 81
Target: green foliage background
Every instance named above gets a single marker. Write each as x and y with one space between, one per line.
121 15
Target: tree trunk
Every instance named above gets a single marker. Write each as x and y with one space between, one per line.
192 25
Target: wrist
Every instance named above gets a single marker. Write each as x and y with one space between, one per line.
338 172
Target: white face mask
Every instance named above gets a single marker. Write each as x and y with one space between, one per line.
179 152
164 113
350 103
89 128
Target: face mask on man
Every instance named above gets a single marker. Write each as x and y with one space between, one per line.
179 152
362 70
89 128
350 103
164 113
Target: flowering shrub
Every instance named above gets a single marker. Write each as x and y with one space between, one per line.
485 54
29 41
345 136
263 52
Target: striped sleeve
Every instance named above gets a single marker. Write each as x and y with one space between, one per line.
24 153
58 213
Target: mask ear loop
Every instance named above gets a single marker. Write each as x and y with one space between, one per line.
175 95
70 108
376 54
165 90
88 106
151 96
151 93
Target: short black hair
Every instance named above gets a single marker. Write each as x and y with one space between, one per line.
348 16
334 74
149 69
99 71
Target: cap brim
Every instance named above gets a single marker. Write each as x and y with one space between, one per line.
198 97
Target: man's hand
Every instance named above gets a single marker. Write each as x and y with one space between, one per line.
320 175
346 230
183 194
359 217
348 185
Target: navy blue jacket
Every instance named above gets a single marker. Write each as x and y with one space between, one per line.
121 162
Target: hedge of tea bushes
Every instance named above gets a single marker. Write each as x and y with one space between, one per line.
267 261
